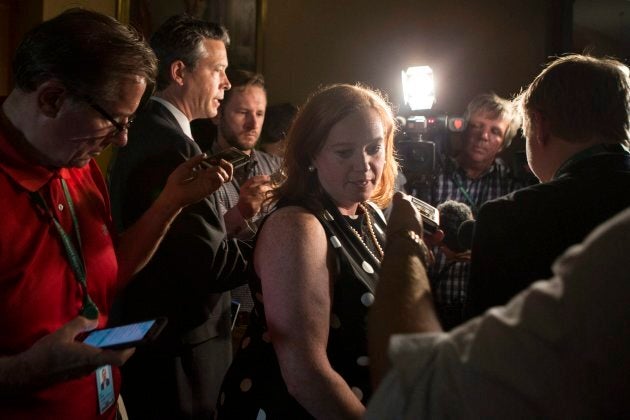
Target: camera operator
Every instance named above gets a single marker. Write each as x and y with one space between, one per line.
472 177
475 175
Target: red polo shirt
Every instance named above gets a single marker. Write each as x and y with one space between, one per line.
38 289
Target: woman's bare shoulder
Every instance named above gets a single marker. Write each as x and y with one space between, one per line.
291 218
292 228
291 236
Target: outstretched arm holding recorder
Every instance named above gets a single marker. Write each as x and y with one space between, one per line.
403 301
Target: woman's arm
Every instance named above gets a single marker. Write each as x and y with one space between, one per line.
291 260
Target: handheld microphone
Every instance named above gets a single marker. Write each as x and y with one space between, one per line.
465 234
453 215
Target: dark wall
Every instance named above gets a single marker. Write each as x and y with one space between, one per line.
472 46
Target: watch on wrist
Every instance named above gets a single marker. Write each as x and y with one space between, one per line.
419 247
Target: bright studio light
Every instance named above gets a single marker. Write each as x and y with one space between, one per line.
418 87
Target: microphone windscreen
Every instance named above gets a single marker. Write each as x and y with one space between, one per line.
452 215
465 234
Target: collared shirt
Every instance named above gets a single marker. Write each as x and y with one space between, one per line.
450 279
558 350
38 289
182 119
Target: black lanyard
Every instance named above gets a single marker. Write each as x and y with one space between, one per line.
75 257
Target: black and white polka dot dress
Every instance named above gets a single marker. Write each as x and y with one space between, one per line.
253 387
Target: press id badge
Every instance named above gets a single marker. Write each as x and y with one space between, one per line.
105 388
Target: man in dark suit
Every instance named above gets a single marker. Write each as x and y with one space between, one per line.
180 376
576 120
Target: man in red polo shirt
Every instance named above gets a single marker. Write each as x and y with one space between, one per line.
79 79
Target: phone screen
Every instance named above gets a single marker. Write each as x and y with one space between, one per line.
117 336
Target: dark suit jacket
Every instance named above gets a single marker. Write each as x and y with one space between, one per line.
180 375
517 237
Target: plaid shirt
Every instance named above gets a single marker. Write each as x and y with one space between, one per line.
227 197
453 184
449 280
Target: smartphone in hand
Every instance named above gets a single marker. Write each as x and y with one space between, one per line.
125 336
236 157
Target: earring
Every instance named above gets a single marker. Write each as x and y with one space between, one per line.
311 168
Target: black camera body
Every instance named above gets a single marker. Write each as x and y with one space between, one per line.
422 142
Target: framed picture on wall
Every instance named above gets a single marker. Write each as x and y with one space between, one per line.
242 18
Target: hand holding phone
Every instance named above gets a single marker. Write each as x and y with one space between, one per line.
126 336
236 157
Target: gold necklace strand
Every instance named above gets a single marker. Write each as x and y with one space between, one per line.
356 233
371 231
372 235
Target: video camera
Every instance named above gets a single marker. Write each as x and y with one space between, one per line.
423 138
422 143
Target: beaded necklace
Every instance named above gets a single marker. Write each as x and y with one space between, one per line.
377 245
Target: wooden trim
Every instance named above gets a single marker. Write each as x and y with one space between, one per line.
122 11
261 26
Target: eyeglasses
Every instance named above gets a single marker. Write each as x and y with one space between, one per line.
120 127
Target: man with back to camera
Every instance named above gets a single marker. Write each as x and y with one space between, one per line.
196 265
577 124
60 262
472 177
239 124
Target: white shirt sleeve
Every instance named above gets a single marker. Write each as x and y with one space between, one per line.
560 349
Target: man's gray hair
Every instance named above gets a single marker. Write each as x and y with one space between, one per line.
496 107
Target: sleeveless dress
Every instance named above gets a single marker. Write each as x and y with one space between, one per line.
253 387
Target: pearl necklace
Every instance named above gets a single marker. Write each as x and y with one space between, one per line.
377 245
